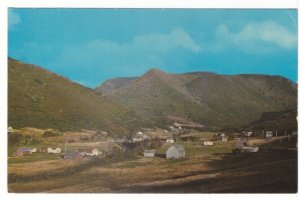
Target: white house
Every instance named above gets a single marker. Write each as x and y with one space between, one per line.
208 143
140 133
55 150
139 137
249 134
149 153
170 140
93 152
89 152
10 130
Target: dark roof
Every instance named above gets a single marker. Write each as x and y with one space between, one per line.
24 149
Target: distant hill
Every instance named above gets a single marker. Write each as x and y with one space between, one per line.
39 98
209 99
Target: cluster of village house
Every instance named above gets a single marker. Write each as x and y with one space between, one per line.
78 153
175 151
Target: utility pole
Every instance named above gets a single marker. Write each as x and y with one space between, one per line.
66 144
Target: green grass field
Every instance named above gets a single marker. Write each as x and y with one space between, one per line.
198 149
33 158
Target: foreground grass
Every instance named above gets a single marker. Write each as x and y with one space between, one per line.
202 170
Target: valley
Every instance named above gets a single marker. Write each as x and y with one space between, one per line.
197 132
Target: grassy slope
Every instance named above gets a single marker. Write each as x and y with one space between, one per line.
285 121
39 98
207 98
243 98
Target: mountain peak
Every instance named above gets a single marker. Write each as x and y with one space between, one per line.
155 72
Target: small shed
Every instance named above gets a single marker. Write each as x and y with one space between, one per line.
149 153
269 134
176 151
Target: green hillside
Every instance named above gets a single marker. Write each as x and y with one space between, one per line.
42 99
283 121
216 101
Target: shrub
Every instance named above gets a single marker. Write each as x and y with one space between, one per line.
14 138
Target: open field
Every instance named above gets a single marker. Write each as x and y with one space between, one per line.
202 171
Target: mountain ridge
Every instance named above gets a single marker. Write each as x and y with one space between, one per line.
215 98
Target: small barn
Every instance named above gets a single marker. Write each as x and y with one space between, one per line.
149 153
23 151
176 151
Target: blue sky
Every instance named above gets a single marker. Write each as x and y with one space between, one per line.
90 46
